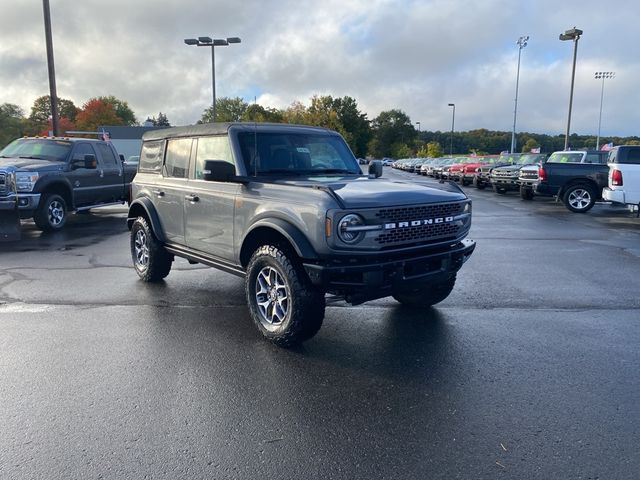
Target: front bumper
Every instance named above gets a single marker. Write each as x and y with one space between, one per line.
367 280
510 183
21 201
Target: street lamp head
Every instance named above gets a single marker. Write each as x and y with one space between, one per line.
191 41
452 104
233 40
220 42
204 39
571 34
599 75
522 41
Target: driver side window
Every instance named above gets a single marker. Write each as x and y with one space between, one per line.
81 150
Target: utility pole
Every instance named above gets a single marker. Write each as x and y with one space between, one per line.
53 95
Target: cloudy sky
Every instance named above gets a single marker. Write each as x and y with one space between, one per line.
415 55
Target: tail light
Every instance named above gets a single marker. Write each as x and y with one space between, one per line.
542 175
616 178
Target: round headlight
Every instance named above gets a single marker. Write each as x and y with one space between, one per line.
348 230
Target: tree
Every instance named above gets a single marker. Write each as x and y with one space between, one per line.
390 128
121 109
95 113
11 123
529 145
355 124
227 110
64 125
161 121
41 110
258 113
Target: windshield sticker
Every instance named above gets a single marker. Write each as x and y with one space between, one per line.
302 150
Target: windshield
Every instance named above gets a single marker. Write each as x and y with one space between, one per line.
38 148
296 154
565 157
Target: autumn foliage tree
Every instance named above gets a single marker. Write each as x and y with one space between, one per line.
95 113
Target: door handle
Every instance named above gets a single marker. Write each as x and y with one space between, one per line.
193 198
159 193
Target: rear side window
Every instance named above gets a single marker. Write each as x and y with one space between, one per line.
596 158
176 162
632 156
151 156
565 157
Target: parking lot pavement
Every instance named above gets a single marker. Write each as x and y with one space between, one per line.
528 370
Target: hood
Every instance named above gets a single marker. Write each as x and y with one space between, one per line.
364 192
31 164
509 168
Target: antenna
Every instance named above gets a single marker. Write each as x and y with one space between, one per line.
255 140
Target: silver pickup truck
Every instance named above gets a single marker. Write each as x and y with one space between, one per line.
288 209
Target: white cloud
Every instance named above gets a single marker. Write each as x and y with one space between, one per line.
416 55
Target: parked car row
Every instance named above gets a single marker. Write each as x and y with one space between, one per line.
577 178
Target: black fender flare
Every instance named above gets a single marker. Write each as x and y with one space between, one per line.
294 236
57 183
150 212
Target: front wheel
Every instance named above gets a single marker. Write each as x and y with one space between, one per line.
283 304
427 295
579 198
526 193
479 184
150 259
499 190
51 215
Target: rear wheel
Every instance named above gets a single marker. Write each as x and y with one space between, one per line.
52 213
526 193
426 295
579 198
283 304
150 259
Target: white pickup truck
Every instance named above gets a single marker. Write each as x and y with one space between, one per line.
624 176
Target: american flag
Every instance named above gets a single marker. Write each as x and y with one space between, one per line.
607 146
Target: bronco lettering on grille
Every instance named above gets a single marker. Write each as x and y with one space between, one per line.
418 223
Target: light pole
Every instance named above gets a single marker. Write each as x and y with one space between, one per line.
603 76
209 42
453 122
571 34
53 95
418 123
522 42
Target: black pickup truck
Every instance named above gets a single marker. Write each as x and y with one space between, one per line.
575 177
47 177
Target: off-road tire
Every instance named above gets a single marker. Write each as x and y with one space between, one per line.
426 296
479 185
150 259
464 182
499 190
526 193
51 214
579 198
300 304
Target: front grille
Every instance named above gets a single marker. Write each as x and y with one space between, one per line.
529 175
420 233
404 214
503 174
3 185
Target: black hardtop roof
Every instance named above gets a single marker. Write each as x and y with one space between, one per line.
222 128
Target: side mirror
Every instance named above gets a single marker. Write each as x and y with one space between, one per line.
218 171
375 169
121 157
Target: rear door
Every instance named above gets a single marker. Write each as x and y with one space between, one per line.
111 174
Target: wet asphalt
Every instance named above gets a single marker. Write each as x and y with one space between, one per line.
528 370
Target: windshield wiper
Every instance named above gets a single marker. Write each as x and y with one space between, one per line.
333 170
32 157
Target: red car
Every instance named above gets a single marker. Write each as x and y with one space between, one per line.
469 169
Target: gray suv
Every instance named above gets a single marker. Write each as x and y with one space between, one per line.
287 208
